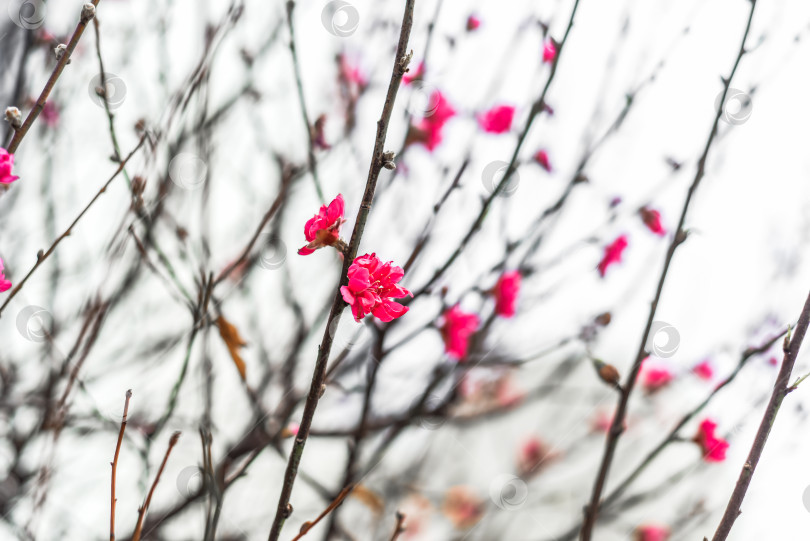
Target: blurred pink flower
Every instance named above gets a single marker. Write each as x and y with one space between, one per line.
656 378
372 284
50 114
704 370
532 453
507 394
6 163
506 293
456 330
613 254
549 51
497 120
541 157
714 448
5 284
650 532
652 219
323 229
473 23
428 131
351 73
415 73
462 507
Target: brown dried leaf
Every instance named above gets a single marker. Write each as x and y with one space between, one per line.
370 499
230 335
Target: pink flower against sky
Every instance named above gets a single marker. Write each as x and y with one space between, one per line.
6 163
541 157
456 331
651 532
323 229
352 73
372 285
506 293
652 219
50 114
473 23
531 455
714 448
428 131
549 51
613 254
497 120
5 284
656 378
415 73
704 370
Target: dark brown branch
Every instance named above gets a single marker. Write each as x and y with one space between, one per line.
114 464
400 66
780 389
142 511
400 527
616 429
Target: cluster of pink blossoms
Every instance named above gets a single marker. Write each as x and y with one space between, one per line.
6 164
714 448
323 229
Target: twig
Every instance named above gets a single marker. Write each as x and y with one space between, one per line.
307 526
114 464
780 390
400 527
616 429
43 257
86 15
142 511
400 65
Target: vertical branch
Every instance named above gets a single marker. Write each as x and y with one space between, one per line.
284 508
299 85
142 511
780 389
617 426
114 464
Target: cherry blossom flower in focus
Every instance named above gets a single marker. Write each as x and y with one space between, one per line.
541 157
462 507
372 285
497 120
651 532
652 219
714 448
473 23
414 74
5 284
613 254
323 229
704 370
6 163
456 331
506 293
549 51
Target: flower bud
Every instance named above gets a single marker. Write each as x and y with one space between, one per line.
14 117
88 12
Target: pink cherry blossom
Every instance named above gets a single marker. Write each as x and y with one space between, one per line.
506 293
50 114
507 394
714 448
656 378
532 454
456 331
613 254
704 370
5 284
351 73
414 74
428 131
6 163
323 229
541 157
652 219
473 23
549 51
497 120
462 507
651 532
372 285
